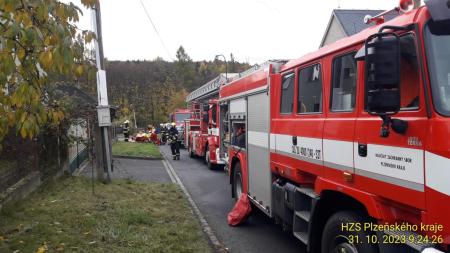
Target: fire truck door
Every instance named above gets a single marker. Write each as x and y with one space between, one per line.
393 167
259 176
339 128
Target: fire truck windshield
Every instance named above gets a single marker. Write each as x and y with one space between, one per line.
437 43
179 117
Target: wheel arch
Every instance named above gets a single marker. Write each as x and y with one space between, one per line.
235 160
330 202
206 146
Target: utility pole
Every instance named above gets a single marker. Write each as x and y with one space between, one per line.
103 109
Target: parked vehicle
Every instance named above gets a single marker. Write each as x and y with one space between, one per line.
179 116
347 146
204 140
192 126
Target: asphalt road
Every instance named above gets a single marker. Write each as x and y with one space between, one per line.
211 192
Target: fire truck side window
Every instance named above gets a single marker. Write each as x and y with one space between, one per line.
310 90
239 134
409 73
343 93
287 94
214 114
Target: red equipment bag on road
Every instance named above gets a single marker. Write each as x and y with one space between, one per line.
240 211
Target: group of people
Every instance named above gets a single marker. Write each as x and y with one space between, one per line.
159 136
169 133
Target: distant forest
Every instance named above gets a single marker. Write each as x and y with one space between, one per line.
155 88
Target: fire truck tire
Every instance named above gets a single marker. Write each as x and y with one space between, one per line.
237 181
191 153
336 239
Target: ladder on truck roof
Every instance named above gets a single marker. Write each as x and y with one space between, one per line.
257 67
210 88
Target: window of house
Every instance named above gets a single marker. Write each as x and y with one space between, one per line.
287 94
343 91
310 90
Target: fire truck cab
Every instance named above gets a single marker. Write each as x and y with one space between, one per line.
346 146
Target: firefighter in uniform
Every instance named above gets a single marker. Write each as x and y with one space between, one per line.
174 143
126 130
163 134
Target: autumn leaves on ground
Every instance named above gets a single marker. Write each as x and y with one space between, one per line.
124 216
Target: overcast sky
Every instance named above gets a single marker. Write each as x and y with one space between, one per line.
253 30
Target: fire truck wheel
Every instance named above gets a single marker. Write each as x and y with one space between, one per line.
237 181
191 153
337 239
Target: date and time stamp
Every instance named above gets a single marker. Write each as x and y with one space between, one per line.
396 233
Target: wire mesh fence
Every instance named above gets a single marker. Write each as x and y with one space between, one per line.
18 158
51 152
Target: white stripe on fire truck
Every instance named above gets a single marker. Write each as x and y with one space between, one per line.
437 172
391 180
338 153
272 142
260 139
394 165
394 162
309 149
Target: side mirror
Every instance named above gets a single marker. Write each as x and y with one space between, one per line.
382 87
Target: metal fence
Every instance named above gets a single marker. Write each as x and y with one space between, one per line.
49 153
18 158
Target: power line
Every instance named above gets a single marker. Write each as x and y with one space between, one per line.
156 30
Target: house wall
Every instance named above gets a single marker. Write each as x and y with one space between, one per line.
334 34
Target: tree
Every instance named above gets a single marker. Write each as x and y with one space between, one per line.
38 39
185 69
182 56
155 88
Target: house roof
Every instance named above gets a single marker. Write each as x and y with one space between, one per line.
352 21
357 39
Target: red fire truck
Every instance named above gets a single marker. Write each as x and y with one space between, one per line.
347 146
178 116
205 142
191 125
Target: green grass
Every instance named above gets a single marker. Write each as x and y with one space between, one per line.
136 149
124 216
